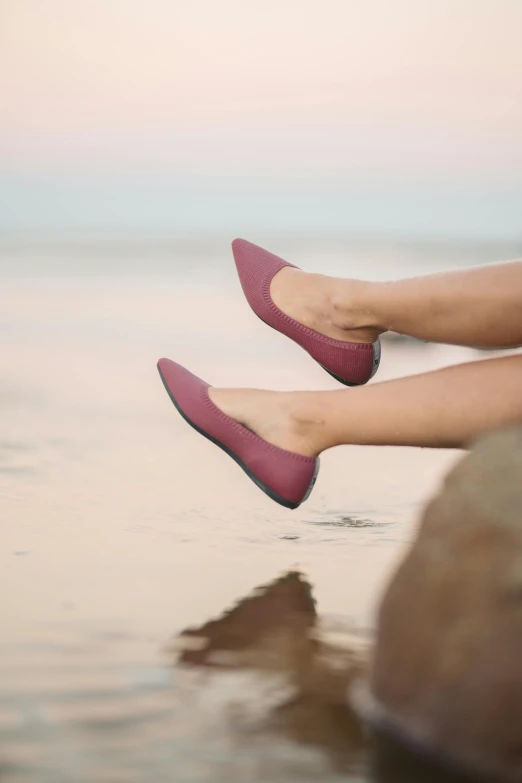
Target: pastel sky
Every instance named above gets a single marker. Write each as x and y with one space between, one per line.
359 115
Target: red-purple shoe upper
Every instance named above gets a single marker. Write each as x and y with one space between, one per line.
350 363
286 477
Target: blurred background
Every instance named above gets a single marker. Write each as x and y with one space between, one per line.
373 139
394 118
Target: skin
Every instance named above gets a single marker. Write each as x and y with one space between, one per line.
480 307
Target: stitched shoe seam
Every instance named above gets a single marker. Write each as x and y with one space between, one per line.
305 330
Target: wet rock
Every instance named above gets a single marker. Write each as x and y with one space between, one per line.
447 670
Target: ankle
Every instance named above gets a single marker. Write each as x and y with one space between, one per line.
306 423
352 305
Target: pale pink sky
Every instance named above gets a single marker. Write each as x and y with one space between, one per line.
371 90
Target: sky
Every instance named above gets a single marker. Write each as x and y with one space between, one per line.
383 116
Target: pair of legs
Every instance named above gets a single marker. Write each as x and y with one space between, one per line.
479 307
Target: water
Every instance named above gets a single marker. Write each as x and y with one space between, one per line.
120 527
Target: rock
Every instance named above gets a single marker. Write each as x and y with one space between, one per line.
447 669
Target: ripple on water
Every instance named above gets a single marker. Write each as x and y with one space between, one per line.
339 519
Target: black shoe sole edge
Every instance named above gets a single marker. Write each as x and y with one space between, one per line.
345 383
270 492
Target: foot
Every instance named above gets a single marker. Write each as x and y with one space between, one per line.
332 306
280 418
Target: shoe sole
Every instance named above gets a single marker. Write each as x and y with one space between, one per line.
270 492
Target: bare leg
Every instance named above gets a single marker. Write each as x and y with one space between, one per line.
446 408
479 307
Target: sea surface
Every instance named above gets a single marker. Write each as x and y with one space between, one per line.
120 526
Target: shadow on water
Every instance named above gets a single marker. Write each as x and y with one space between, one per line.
276 629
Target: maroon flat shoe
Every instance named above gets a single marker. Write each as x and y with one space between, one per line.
350 363
285 477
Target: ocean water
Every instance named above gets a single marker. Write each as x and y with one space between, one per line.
120 526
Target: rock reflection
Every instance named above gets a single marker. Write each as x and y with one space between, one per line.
392 763
276 629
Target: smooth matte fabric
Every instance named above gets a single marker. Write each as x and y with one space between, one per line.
350 363
286 477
